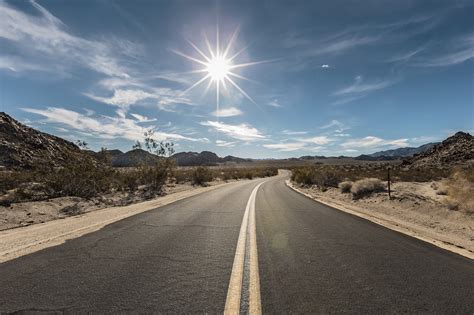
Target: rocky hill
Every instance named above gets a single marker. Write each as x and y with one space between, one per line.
24 147
455 150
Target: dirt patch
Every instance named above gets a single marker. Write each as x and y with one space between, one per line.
415 209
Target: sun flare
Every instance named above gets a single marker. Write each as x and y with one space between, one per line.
219 68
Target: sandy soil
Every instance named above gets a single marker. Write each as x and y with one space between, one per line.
415 209
28 213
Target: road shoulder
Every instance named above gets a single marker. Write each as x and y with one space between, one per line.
25 240
396 225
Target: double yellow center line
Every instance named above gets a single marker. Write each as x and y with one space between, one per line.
247 243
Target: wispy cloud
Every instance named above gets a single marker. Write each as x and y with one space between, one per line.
373 142
227 112
333 124
274 103
461 50
104 127
243 132
320 140
142 119
162 98
16 64
293 133
286 147
359 87
46 35
227 144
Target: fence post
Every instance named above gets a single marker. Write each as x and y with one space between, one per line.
388 181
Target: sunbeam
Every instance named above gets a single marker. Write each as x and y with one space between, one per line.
218 66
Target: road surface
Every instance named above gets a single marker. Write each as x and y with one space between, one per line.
279 252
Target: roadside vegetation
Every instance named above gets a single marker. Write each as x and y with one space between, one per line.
366 179
87 177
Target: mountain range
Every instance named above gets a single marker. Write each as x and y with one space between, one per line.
24 147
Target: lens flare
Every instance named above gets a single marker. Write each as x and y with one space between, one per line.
218 67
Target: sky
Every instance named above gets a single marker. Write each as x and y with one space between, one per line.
307 77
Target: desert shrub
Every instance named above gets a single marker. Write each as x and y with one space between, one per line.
365 187
304 175
460 187
323 177
79 177
127 180
155 176
201 176
345 187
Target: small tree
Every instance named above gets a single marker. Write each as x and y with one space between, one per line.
155 173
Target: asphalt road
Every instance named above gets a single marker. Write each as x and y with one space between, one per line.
180 258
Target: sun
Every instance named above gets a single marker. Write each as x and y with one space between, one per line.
219 68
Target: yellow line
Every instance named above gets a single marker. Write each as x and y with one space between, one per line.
255 306
232 304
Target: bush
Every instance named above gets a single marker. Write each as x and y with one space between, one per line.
345 187
365 187
460 187
201 176
81 178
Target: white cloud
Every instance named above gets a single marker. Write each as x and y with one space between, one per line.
123 98
162 98
45 36
16 64
274 103
293 133
373 142
359 87
286 147
222 143
333 123
227 112
105 127
241 132
319 140
462 50
142 119
325 66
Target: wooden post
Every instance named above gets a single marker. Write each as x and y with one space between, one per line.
388 181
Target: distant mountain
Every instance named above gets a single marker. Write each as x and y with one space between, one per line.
455 150
24 147
312 157
206 158
396 154
133 158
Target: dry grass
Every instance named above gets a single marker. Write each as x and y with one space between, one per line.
365 187
345 187
460 190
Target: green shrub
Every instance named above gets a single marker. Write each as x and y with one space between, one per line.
201 176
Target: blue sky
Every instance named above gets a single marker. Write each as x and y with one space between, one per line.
323 77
